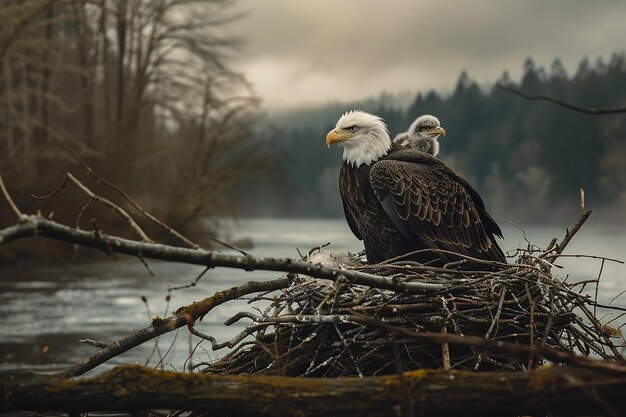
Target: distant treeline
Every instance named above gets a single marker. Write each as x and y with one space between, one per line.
527 159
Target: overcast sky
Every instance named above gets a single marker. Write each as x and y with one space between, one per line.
301 52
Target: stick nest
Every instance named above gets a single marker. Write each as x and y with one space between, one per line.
328 329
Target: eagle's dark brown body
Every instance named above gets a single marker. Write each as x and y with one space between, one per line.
409 200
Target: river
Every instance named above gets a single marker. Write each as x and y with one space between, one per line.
47 309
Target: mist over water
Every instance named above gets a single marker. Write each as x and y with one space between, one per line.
51 308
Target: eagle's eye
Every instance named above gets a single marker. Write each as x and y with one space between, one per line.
353 128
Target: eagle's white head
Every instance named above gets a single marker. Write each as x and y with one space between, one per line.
364 137
422 135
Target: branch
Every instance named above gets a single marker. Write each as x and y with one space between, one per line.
561 102
9 200
95 343
550 390
553 254
94 197
185 316
140 209
33 225
113 206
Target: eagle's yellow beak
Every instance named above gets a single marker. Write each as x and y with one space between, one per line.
438 131
337 135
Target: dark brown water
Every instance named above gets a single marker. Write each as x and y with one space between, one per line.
47 309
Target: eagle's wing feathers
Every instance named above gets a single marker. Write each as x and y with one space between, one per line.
427 201
350 221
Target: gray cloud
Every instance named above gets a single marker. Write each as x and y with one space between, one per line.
303 52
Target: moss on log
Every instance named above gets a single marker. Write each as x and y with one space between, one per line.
557 390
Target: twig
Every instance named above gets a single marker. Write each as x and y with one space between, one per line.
531 325
548 328
317 248
189 359
103 200
598 326
518 227
156 348
616 297
582 199
54 192
145 264
95 343
445 350
595 298
604 258
167 352
550 245
569 234
494 322
445 252
245 333
608 306
143 211
9 200
561 102
82 210
191 284
583 283
190 322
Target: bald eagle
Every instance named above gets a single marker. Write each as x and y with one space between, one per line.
400 200
422 135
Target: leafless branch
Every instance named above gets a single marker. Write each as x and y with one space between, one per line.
128 198
9 200
553 254
185 316
579 255
561 102
94 197
95 343
33 225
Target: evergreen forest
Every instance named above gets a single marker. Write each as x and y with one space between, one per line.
527 159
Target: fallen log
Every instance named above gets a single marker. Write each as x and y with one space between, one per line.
548 390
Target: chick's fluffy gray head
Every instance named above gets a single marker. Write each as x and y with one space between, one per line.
364 137
424 124
422 135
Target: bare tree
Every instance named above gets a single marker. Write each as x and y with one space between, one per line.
141 88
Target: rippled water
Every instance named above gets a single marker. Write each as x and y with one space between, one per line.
47 309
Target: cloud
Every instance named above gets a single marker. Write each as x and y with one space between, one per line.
302 52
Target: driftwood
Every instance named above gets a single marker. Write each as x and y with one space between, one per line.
417 393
